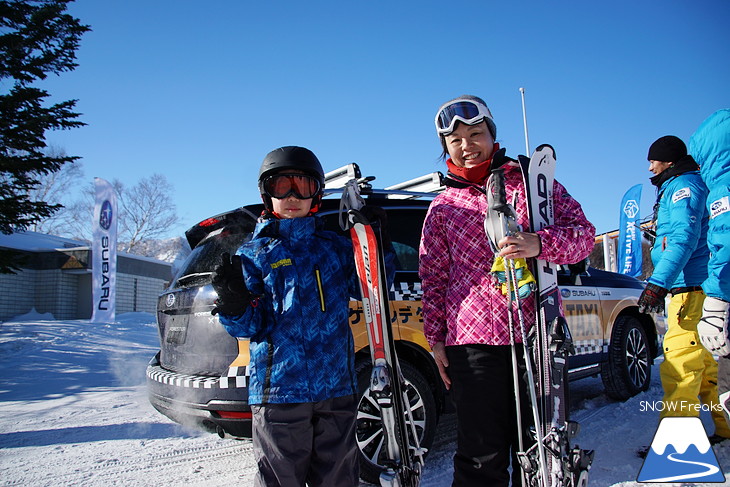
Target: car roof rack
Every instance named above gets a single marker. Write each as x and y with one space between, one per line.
428 183
423 186
339 177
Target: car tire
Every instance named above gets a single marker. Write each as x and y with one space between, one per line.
369 432
628 368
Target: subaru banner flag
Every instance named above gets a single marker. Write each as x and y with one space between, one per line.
629 236
104 253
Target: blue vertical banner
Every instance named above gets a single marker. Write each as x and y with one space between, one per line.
629 236
104 253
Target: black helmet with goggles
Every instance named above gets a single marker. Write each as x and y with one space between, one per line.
291 170
284 184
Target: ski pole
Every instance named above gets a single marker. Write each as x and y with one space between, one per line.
542 480
524 122
513 346
505 214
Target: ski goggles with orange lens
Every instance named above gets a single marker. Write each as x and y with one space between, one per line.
461 110
281 186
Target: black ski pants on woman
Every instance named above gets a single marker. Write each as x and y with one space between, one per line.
482 389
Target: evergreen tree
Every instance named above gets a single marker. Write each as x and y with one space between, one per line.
37 38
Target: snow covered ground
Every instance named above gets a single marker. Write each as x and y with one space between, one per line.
74 411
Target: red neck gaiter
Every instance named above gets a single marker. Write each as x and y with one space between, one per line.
475 174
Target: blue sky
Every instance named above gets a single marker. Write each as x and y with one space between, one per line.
201 91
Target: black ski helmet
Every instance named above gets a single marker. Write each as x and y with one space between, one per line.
293 158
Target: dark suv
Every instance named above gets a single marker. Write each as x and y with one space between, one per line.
199 376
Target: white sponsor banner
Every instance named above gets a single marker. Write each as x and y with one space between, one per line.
104 253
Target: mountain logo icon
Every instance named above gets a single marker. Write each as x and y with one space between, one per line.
680 452
631 208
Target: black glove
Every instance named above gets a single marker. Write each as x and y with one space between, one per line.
652 299
233 296
376 214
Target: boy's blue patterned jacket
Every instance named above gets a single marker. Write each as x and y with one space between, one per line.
301 348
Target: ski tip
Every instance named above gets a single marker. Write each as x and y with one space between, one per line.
544 146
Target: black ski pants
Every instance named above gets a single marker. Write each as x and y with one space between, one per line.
312 443
483 394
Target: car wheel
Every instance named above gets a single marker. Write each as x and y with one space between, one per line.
369 433
628 368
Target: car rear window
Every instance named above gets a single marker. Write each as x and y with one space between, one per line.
404 225
199 265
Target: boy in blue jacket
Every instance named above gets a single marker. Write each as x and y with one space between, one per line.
680 255
288 289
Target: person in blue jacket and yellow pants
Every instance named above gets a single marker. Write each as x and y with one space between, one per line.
680 256
710 146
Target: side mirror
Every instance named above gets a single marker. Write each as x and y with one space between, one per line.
576 270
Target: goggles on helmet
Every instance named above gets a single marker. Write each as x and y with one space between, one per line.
281 186
469 112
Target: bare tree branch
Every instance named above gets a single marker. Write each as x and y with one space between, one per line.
147 210
53 188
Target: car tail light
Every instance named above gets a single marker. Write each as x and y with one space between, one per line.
234 414
209 222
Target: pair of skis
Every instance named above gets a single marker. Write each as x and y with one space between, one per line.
550 461
404 456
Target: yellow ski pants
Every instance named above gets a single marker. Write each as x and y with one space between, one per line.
689 372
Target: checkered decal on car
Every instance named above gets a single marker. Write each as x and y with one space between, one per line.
236 377
584 347
412 291
407 291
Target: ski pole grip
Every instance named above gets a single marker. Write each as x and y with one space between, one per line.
500 192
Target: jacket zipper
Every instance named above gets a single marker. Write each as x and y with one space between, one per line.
320 289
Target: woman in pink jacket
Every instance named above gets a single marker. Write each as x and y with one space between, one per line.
465 313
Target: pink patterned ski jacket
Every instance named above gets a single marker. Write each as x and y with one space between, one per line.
462 303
